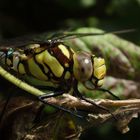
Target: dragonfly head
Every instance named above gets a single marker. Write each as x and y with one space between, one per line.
89 69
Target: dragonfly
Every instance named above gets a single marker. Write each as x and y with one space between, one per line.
54 65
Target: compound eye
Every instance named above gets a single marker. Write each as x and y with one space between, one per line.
82 67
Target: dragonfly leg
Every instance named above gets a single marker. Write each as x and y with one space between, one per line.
99 106
77 93
54 94
39 112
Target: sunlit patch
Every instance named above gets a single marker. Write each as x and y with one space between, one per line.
87 61
64 50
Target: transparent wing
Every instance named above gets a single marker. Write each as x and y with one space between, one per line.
53 36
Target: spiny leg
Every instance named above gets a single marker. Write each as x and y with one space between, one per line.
54 94
99 106
41 108
91 102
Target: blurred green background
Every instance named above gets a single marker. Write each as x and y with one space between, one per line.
32 16
21 17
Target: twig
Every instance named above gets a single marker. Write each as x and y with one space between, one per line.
73 102
124 110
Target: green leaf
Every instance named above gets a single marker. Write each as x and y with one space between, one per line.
122 57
